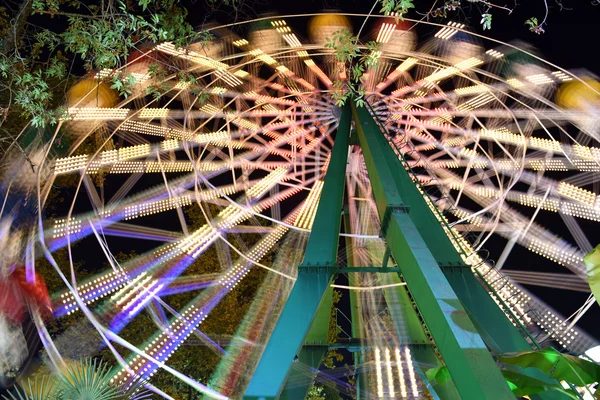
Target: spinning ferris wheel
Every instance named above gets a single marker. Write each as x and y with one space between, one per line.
460 134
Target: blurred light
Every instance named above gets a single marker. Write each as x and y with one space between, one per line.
494 53
448 31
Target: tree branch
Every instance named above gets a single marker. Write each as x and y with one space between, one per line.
510 10
18 26
68 14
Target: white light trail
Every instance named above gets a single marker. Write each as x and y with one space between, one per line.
378 372
390 373
411 372
368 288
400 368
448 31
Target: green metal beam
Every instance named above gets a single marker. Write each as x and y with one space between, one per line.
410 330
314 348
319 329
303 372
356 314
469 362
346 270
314 276
497 331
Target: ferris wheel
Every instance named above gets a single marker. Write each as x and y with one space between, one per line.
229 165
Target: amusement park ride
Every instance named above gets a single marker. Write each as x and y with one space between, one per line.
459 141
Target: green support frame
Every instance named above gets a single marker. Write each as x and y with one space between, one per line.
459 313
469 362
303 372
355 314
314 277
411 332
312 352
497 331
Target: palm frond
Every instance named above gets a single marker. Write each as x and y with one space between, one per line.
84 380
89 380
42 389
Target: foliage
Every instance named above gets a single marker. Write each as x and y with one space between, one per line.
524 385
315 393
158 86
36 390
592 265
484 7
520 384
333 356
560 366
442 12
87 379
353 63
534 26
439 374
334 328
123 85
398 7
34 57
486 21
322 392
31 87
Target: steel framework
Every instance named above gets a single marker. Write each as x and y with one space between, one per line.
266 172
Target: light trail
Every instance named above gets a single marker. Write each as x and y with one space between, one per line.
368 288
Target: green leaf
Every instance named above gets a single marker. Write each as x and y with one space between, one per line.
131 80
592 265
486 21
38 5
524 385
117 85
387 6
400 7
560 366
405 5
43 389
87 380
56 69
532 22
144 4
439 374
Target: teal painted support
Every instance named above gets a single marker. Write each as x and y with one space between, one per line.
314 276
386 257
315 346
303 372
319 330
498 332
410 330
288 336
323 242
469 362
345 270
356 314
